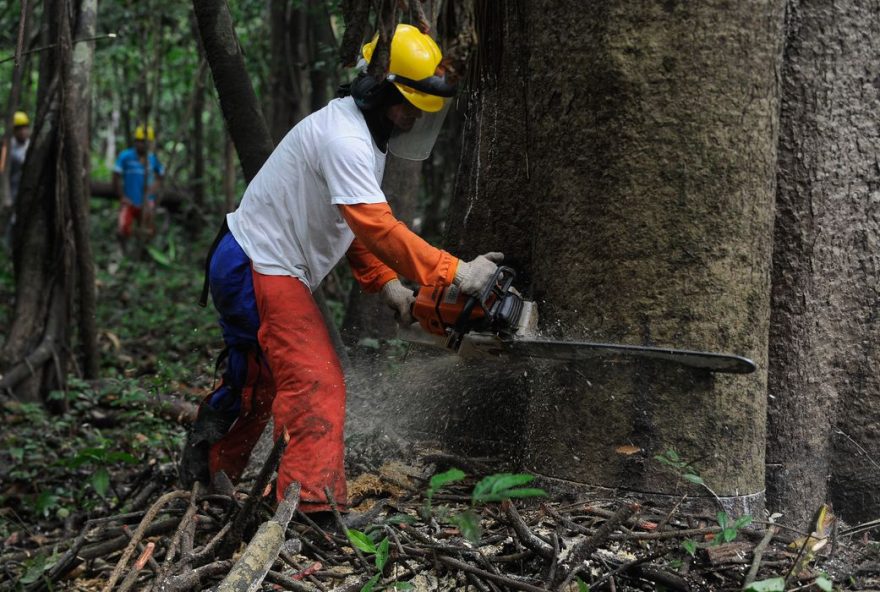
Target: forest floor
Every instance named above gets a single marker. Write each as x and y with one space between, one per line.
89 499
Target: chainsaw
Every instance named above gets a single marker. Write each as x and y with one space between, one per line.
501 323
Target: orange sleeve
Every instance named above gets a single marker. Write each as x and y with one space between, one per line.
368 270
397 246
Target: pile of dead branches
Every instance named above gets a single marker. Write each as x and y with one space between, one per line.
238 539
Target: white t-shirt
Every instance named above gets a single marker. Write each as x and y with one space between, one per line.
288 222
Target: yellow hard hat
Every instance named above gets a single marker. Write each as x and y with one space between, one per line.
139 133
20 118
413 67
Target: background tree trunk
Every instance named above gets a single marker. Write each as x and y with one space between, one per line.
646 158
51 234
826 267
287 75
77 101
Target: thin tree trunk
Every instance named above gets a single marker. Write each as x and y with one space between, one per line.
238 101
321 50
77 101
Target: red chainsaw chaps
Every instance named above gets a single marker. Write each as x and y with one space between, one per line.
306 392
310 390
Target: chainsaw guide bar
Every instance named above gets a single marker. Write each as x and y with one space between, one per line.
477 345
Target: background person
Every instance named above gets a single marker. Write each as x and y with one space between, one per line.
18 147
137 177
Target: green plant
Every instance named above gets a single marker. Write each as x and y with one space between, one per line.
769 585
380 554
684 470
493 488
729 529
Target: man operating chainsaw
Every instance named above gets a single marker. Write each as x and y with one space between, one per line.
316 199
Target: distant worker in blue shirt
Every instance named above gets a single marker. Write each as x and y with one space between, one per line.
137 177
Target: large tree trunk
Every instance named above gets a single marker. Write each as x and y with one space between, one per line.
824 335
632 183
50 236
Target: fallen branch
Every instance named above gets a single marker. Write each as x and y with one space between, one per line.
583 550
757 555
245 514
526 536
139 534
251 568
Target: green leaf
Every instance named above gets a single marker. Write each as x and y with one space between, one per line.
582 586
122 457
382 554
690 546
158 256
742 521
368 587
35 569
693 478
722 519
361 541
771 585
45 502
509 494
469 524
403 586
101 481
441 479
824 583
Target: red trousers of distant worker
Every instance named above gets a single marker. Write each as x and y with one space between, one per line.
299 383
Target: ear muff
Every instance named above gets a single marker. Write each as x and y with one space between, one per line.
369 93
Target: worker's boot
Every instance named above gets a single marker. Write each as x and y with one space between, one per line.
210 426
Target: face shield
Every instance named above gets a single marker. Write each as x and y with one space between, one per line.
418 141
432 97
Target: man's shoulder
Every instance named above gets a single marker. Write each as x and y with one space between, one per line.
127 154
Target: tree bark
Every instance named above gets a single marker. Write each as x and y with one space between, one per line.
287 80
238 101
826 267
77 101
632 183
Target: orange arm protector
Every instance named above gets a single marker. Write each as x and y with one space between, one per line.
368 270
397 246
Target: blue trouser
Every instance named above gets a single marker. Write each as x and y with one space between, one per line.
232 291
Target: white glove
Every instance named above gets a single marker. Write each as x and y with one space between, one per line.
473 277
399 298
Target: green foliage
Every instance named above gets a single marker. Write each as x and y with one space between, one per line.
671 459
729 529
824 583
690 546
770 585
380 555
582 586
502 486
493 488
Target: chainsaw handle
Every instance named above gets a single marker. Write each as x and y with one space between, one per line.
500 282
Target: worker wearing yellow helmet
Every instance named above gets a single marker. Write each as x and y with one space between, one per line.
137 177
317 199
414 72
16 151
